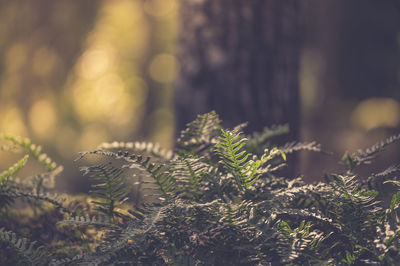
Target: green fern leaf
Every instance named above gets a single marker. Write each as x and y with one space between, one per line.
144 147
30 254
188 174
199 134
5 175
242 165
108 185
34 150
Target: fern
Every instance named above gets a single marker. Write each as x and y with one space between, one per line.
221 203
108 187
162 180
34 188
237 161
301 146
260 139
5 175
145 147
98 220
34 150
30 254
351 161
188 174
199 134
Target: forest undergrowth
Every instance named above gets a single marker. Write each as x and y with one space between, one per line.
217 198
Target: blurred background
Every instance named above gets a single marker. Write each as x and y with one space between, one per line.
74 74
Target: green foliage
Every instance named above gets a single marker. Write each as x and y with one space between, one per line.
34 150
34 188
217 199
351 161
108 186
239 162
28 253
12 170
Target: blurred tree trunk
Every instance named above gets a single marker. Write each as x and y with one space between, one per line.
241 59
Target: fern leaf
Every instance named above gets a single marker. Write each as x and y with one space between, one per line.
68 261
291 147
188 174
34 150
162 179
364 156
258 140
200 133
30 254
5 175
108 185
376 181
240 163
145 147
99 220
351 161
54 199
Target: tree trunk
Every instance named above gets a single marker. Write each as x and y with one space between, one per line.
241 59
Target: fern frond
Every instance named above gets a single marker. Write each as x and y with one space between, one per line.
390 170
134 231
294 146
99 220
387 240
235 159
68 261
38 182
259 139
158 172
351 161
303 239
365 156
242 165
376 181
108 187
188 173
34 150
5 175
31 255
144 147
313 215
200 133
349 188
54 199
12 148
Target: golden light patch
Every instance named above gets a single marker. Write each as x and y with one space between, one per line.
376 112
42 118
11 121
96 61
102 89
163 68
159 8
108 99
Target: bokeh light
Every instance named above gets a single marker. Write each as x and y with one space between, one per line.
159 8
12 121
163 68
42 118
376 112
74 74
